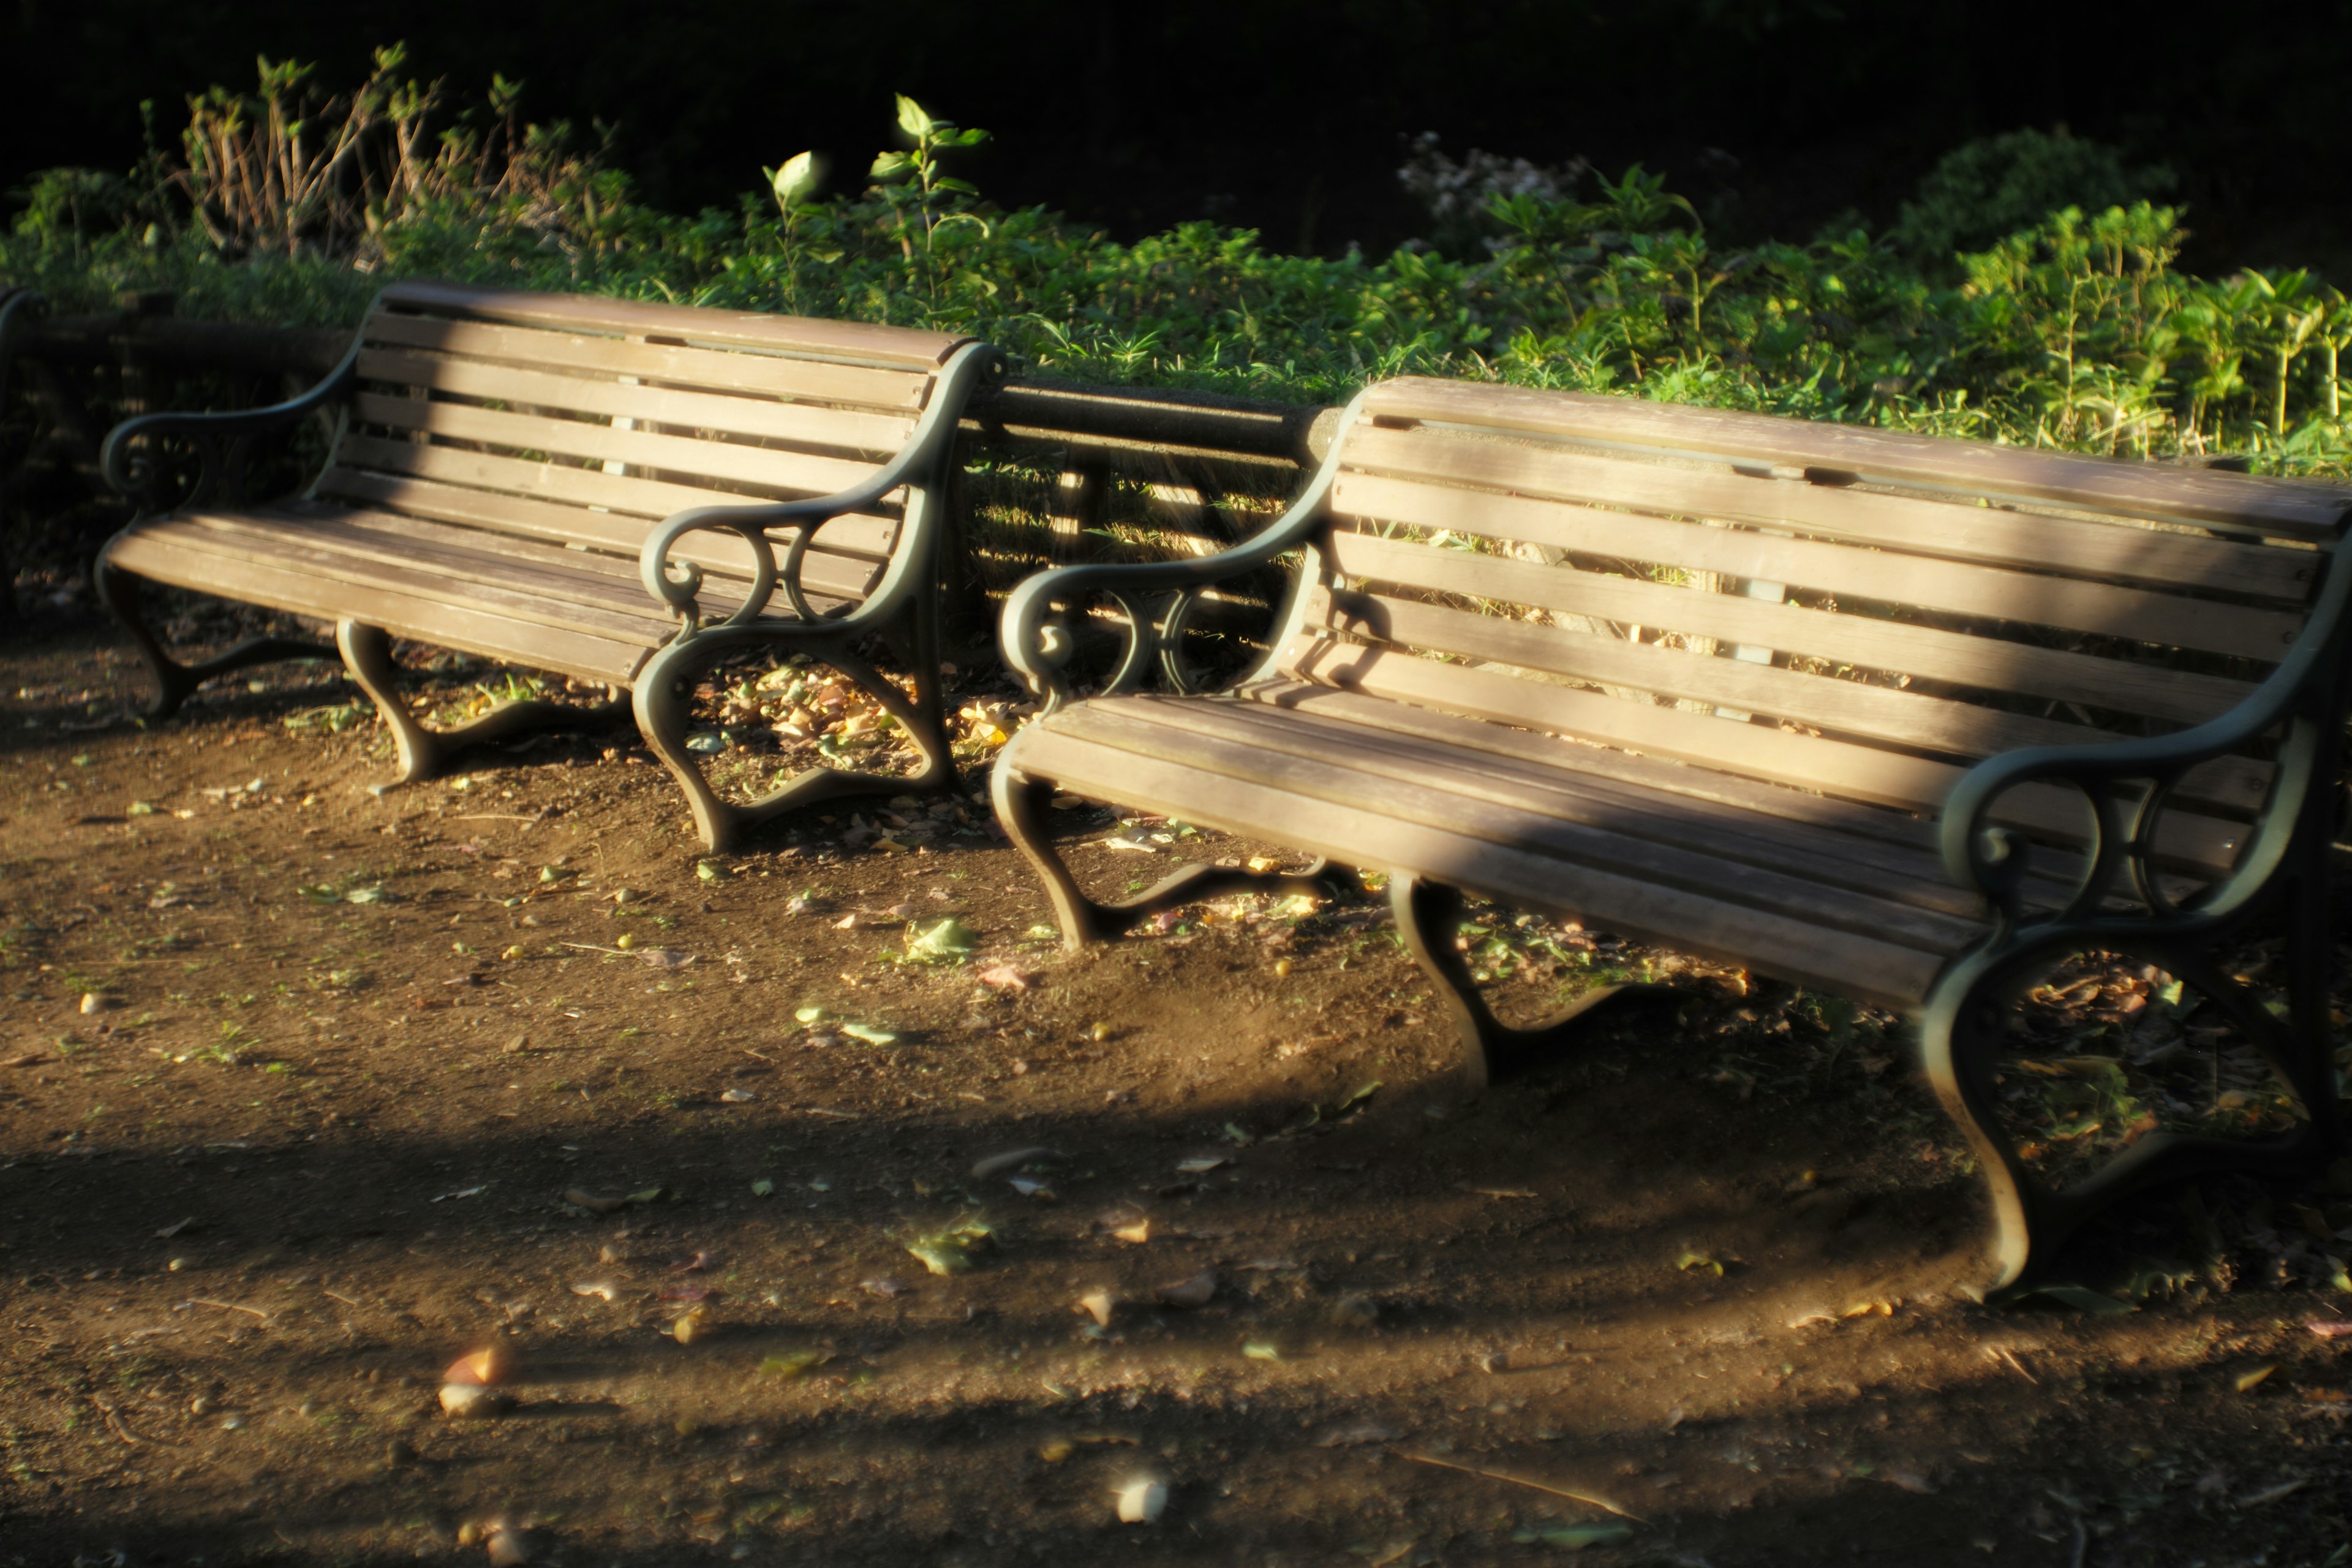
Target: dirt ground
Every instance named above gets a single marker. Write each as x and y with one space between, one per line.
366 1084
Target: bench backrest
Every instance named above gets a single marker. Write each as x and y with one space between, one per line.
1877 610
585 421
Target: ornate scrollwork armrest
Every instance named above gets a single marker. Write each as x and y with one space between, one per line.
222 440
678 583
1038 645
2303 692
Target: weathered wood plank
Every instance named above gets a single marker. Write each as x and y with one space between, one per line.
1962 588
1991 664
2294 509
2118 551
706 370
1856 964
692 323
802 424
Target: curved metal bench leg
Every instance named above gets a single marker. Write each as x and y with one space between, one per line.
1428 914
1020 804
663 698
422 752
119 591
1966 1028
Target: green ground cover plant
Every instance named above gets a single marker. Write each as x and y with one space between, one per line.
290 204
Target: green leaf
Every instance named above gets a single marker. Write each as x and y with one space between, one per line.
796 181
799 1363
912 120
950 942
890 166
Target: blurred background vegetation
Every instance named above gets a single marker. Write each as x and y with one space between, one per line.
2028 288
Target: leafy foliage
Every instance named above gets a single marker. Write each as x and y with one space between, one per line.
2070 330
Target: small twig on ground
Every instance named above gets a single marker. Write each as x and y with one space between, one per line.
1585 1498
227 1307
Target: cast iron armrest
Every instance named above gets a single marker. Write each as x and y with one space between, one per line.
2299 692
1038 647
678 583
222 441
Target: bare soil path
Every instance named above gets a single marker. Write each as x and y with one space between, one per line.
368 1083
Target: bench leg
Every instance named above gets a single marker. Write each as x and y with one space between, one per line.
1966 1027
1021 804
1428 915
367 654
119 591
662 699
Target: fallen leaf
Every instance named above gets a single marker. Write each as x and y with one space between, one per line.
597 1289
1356 1437
1006 976
1261 1350
2271 1494
869 1033
1202 1165
1194 1291
1031 1187
483 1368
1141 1501
1010 1159
2325 1328
1136 1234
1909 1481
763 1188
796 1364
1099 1305
2247 1382
690 1327
174 1228
1700 1262
738 1097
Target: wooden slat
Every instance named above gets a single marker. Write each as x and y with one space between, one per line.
856 538
420 617
806 425
1429 796
1960 588
1846 707
696 323
2108 552
1858 965
711 370
527 595
828 579
1891 843
1868 870
1839 768
1988 663
783 473
649 499
2296 509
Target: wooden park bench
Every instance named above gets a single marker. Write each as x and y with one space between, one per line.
1903 718
609 491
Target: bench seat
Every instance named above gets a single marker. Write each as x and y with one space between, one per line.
620 492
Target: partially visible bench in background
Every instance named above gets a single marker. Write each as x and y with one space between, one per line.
1902 717
616 491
